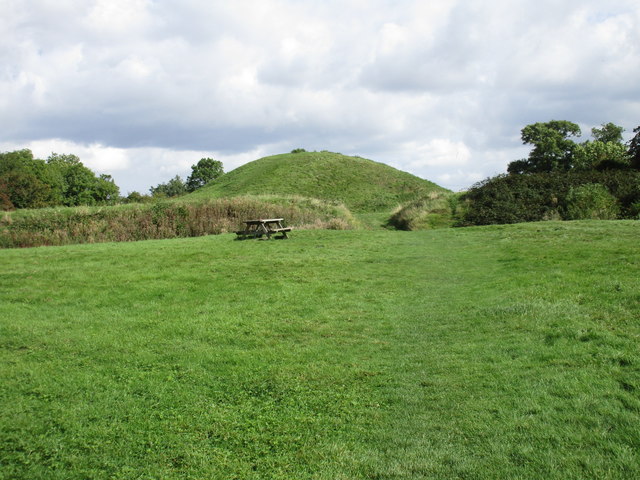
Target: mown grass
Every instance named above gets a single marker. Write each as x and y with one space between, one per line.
493 352
160 220
360 184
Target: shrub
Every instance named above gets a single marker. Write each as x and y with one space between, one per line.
543 196
591 201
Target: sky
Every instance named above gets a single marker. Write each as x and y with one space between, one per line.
143 89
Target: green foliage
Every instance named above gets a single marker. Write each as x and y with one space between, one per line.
543 196
163 219
552 147
634 149
24 189
591 201
483 353
362 185
173 188
137 197
206 170
599 155
298 150
607 133
61 180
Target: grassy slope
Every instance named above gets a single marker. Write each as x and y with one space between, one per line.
493 352
362 185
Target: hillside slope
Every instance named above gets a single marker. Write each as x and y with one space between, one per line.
362 185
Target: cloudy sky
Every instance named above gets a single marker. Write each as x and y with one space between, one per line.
142 89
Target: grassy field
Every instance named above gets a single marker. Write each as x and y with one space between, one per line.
362 185
483 353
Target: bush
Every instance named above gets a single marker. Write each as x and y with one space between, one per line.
591 201
543 196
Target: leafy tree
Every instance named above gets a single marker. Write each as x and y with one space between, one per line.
634 149
206 170
17 160
25 181
608 133
28 182
552 148
80 186
24 190
106 191
172 188
601 155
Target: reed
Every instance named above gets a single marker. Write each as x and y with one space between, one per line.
126 223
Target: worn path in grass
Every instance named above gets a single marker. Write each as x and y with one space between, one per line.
494 352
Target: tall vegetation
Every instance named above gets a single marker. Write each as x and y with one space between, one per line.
164 219
562 179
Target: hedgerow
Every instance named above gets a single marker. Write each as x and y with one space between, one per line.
544 196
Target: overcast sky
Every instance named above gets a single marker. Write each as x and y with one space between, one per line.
142 89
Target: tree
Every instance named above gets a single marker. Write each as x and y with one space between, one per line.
600 155
80 186
24 190
29 182
609 133
106 191
172 188
552 147
634 149
206 170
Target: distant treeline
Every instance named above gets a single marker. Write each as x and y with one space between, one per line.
27 182
62 180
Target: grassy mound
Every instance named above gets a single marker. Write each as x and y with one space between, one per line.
124 223
362 185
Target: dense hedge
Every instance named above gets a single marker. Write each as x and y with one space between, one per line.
545 196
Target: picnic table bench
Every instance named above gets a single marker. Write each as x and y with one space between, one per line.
263 226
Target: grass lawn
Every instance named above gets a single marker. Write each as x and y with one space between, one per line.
493 352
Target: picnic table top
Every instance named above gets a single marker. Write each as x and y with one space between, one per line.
263 220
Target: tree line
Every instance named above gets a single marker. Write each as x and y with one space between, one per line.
63 180
554 149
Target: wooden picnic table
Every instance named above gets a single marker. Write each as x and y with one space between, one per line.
263 226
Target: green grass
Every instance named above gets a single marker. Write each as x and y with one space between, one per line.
362 185
492 352
437 210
